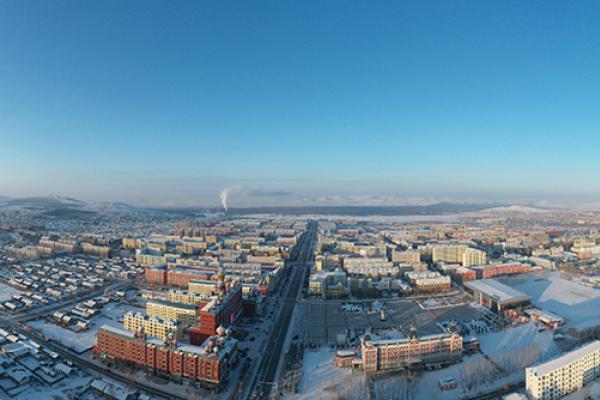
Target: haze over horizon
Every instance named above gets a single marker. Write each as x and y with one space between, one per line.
381 103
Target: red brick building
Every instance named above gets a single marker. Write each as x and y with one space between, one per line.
415 352
156 274
464 274
181 276
493 271
208 364
163 274
224 309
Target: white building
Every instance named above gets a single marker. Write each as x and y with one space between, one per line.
565 374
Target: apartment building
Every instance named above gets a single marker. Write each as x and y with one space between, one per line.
208 364
406 257
472 257
448 253
187 297
185 314
565 374
152 326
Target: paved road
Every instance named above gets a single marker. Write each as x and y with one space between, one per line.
263 382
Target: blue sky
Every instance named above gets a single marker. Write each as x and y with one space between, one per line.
287 101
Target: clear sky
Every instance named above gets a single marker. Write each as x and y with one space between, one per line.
157 102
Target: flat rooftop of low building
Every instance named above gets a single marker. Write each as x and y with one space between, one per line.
500 292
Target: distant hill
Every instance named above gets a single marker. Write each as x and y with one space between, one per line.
514 209
45 202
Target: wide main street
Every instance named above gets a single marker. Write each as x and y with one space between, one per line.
263 383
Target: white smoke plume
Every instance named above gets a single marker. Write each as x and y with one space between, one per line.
225 193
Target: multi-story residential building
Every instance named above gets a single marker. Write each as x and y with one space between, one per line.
374 270
185 314
202 286
406 257
153 326
441 283
358 262
187 297
473 257
496 270
448 253
414 352
464 274
208 364
318 283
223 309
567 373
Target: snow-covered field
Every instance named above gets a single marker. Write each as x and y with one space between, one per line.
83 341
321 378
6 292
571 300
508 347
523 335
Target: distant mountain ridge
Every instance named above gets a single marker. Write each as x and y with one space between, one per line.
60 206
353 210
67 206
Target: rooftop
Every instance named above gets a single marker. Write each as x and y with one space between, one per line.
500 292
565 359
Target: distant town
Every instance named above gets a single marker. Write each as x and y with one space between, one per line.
491 303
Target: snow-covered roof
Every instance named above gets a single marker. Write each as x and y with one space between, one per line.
565 359
502 293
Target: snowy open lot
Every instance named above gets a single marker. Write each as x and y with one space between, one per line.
511 350
571 300
323 380
513 338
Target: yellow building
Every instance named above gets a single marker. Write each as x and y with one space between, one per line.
473 257
451 254
406 257
153 326
185 314
187 297
202 286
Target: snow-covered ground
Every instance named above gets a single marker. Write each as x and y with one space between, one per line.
427 382
321 377
6 292
521 336
571 300
509 345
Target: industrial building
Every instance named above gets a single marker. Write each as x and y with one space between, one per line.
495 295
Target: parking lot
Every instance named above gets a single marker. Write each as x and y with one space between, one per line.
322 321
